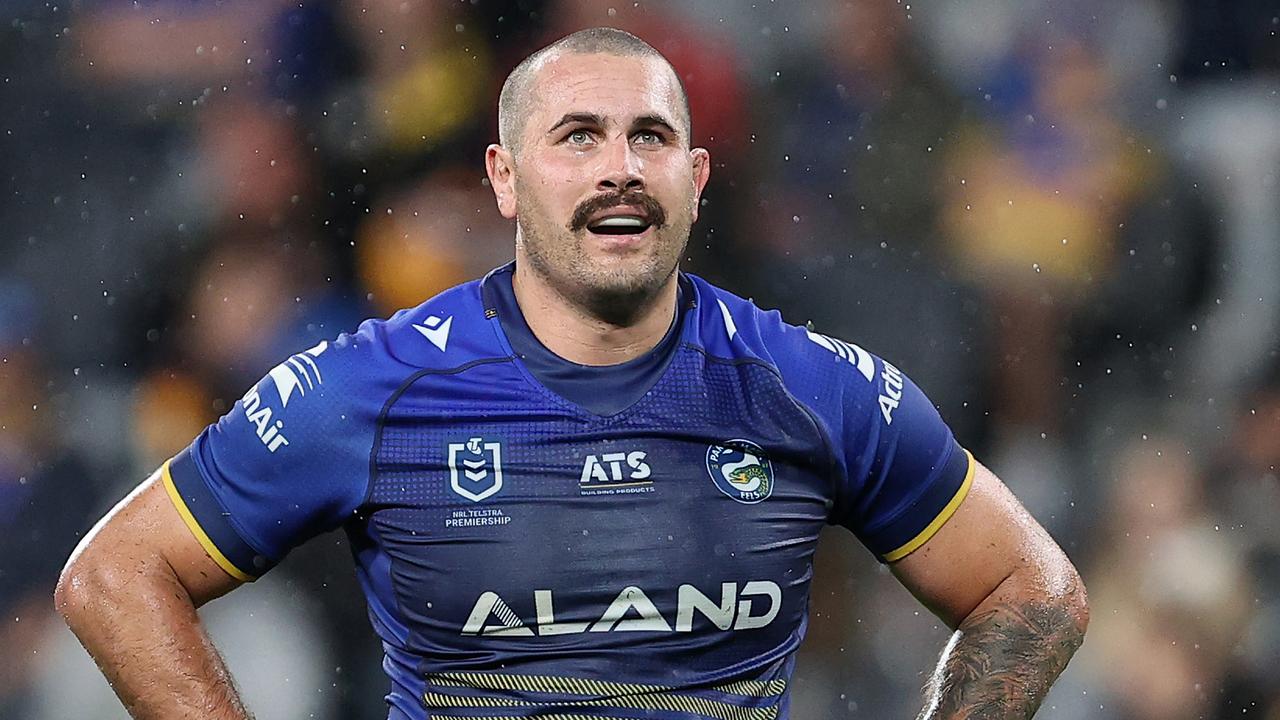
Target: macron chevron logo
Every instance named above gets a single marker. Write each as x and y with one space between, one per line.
436 330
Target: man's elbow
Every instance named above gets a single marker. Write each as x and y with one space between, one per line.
93 581
1079 603
1066 590
75 595
1051 597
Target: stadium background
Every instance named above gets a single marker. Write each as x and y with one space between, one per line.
1061 218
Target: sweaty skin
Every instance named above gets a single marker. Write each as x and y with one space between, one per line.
603 135
1016 602
130 593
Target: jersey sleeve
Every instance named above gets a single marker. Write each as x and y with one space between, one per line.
283 465
899 473
905 474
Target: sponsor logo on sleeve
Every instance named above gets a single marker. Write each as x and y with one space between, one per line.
296 376
891 395
847 351
891 390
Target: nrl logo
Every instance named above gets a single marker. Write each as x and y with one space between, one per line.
475 468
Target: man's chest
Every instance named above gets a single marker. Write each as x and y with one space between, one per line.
510 518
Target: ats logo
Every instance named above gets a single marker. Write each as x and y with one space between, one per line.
299 374
616 472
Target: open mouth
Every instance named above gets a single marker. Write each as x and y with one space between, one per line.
619 225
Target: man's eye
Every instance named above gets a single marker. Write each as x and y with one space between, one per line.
579 137
648 137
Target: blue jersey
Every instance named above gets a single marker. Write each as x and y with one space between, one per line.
524 555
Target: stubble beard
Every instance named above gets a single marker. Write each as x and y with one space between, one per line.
618 295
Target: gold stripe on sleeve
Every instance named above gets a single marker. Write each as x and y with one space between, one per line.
914 543
198 531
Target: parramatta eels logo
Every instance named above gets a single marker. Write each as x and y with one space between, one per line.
741 470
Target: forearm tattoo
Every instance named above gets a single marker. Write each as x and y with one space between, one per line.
1001 662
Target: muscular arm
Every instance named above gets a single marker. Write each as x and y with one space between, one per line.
130 593
1016 602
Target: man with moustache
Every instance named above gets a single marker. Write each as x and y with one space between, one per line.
587 485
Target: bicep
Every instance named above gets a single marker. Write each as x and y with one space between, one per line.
146 532
988 539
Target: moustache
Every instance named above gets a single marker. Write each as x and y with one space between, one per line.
650 209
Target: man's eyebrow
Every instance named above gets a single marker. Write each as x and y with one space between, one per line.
655 121
585 118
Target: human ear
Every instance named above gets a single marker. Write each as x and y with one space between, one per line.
701 173
499 164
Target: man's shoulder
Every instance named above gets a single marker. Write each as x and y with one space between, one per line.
366 365
446 331
823 372
735 327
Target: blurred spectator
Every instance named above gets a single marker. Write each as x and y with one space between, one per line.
430 236
1231 134
47 500
1175 587
423 81
1032 215
249 164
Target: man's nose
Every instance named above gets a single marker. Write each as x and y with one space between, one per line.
621 168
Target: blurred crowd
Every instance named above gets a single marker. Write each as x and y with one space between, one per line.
1062 219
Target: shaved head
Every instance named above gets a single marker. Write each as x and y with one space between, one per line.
518 91
596 168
